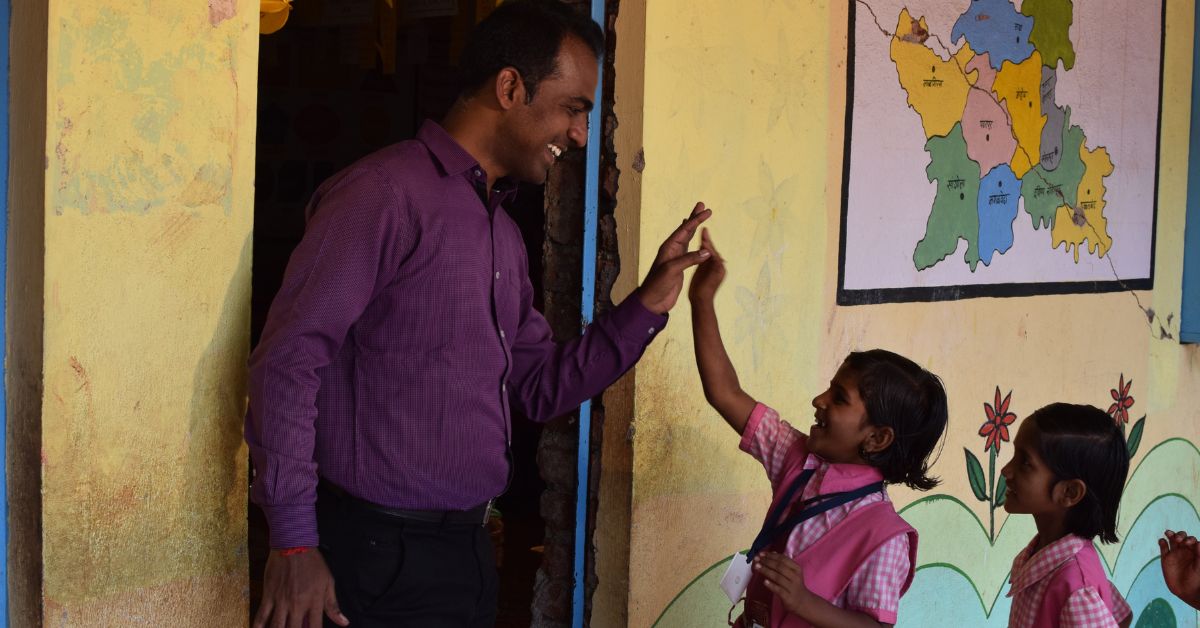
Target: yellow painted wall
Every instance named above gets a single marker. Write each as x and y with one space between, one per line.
742 105
148 210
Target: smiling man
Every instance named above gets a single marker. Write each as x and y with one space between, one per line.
403 335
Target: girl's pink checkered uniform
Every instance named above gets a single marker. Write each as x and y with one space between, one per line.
1085 607
875 587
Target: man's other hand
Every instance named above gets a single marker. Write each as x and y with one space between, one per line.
296 588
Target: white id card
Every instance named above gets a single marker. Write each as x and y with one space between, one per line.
736 578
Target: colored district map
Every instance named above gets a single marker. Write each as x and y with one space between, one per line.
996 135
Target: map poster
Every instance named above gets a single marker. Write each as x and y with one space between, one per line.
999 148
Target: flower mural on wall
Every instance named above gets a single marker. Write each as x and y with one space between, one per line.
1119 411
760 309
995 431
1157 490
998 420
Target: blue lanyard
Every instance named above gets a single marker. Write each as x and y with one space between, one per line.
809 508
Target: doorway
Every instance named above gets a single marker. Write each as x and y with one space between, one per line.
326 98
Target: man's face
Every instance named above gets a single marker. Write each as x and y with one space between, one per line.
534 135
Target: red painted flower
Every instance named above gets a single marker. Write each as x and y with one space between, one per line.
998 420
1119 411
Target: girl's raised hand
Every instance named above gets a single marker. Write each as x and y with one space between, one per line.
709 274
1181 565
783 577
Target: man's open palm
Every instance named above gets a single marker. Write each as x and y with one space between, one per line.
664 282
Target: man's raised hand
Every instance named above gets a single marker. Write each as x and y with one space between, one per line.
659 292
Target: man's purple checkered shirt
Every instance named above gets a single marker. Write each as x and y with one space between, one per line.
403 331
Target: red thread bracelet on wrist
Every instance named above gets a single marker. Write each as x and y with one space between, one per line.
292 551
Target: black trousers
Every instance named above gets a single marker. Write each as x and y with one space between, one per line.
399 573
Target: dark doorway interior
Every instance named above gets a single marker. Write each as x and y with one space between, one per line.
325 100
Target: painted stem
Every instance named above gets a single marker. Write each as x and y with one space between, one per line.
992 497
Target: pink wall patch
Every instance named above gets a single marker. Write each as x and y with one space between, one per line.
220 10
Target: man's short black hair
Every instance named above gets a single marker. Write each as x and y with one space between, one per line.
1079 442
526 35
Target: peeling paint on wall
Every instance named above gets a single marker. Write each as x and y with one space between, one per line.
149 206
147 95
220 10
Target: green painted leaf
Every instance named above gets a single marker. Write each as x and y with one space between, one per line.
975 475
1157 614
1001 487
1135 436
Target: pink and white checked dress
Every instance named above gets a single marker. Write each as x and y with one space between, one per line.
1031 575
875 587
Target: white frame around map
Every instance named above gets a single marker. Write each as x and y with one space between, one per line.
1114 90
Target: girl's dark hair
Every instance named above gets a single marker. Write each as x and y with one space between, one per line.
911 401
1080 442
526 35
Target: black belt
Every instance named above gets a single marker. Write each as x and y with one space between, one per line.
475 516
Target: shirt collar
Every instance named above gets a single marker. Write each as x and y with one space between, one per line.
452 159
1029 568
844 477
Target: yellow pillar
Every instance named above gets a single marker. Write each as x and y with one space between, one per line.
149 124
